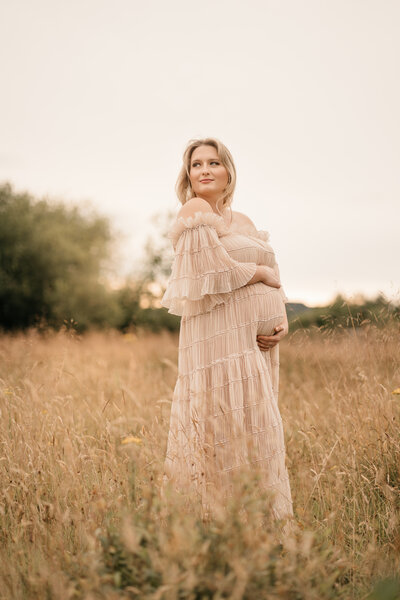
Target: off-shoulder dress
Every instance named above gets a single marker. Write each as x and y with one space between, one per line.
224 411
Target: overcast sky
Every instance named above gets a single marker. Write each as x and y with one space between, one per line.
100 97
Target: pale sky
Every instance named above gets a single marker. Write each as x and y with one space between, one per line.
100 97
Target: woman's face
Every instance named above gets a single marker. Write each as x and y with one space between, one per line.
208 176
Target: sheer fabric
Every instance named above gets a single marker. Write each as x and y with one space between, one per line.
224 412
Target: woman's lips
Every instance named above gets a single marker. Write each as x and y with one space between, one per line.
206 180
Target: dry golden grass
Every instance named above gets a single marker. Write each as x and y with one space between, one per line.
84 424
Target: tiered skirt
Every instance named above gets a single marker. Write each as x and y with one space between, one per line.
224 414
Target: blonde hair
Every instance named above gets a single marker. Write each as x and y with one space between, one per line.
183 186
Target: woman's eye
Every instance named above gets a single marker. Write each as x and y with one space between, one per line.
212 162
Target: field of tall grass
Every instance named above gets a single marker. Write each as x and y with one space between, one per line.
83 431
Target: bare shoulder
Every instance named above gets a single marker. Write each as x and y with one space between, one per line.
194 205
242 219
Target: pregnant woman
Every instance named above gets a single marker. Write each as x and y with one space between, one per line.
225 285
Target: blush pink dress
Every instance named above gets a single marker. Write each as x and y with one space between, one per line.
224 412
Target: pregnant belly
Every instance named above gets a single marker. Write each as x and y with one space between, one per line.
266 306
230 329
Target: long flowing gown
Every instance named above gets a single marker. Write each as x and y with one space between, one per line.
224 411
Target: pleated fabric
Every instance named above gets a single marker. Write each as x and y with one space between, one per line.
224 412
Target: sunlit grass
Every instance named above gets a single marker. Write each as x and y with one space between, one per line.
83 426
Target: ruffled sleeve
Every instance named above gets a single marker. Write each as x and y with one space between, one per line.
203 274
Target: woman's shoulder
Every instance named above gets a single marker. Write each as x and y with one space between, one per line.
242 219
192 206
196 212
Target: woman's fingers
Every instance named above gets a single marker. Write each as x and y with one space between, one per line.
266 342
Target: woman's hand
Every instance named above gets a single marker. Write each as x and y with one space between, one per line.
271 278
266 342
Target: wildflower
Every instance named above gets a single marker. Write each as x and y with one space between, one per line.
131 440
129 337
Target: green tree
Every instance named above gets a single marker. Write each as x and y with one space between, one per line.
52 264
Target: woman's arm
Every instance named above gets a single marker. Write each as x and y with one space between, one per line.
267 275
263 273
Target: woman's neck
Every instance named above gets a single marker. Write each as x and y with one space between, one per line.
213 204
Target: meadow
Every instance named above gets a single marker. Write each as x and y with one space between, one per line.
83 431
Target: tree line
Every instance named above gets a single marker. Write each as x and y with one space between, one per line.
55 271
55 268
